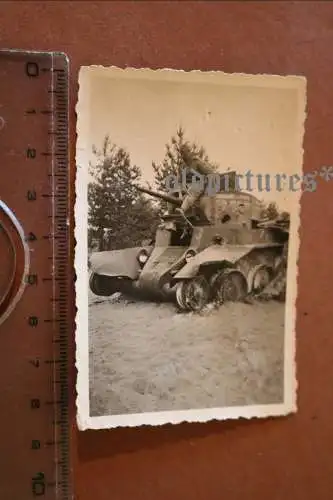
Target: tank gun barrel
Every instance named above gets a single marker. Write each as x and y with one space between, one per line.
162 196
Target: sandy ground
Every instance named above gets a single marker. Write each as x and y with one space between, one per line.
147 357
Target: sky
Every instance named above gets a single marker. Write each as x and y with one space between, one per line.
244 123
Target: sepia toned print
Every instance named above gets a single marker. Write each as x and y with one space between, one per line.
186 284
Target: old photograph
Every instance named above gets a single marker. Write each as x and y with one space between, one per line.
187 223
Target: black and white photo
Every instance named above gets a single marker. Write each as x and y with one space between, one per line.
187 216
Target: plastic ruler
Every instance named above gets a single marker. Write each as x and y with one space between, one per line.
35 276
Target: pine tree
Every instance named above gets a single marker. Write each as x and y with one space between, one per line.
181 153
118 215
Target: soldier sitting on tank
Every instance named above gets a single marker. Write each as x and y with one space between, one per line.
191 199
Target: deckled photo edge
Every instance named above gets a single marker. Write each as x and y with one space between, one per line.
84 420
205 415
81 253
290 355
209 77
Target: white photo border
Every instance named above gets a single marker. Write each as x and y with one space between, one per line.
84 420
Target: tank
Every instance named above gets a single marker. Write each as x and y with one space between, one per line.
206 249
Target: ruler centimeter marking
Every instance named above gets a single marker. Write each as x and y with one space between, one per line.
50 269
60 265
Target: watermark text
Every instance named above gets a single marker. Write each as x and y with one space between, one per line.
214 183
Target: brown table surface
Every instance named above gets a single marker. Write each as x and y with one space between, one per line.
288 458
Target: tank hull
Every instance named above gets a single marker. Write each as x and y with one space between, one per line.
120 271
207 260
167 267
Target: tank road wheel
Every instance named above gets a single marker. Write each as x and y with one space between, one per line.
213 284
261 277
102 285
180 295
193 294
230 286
